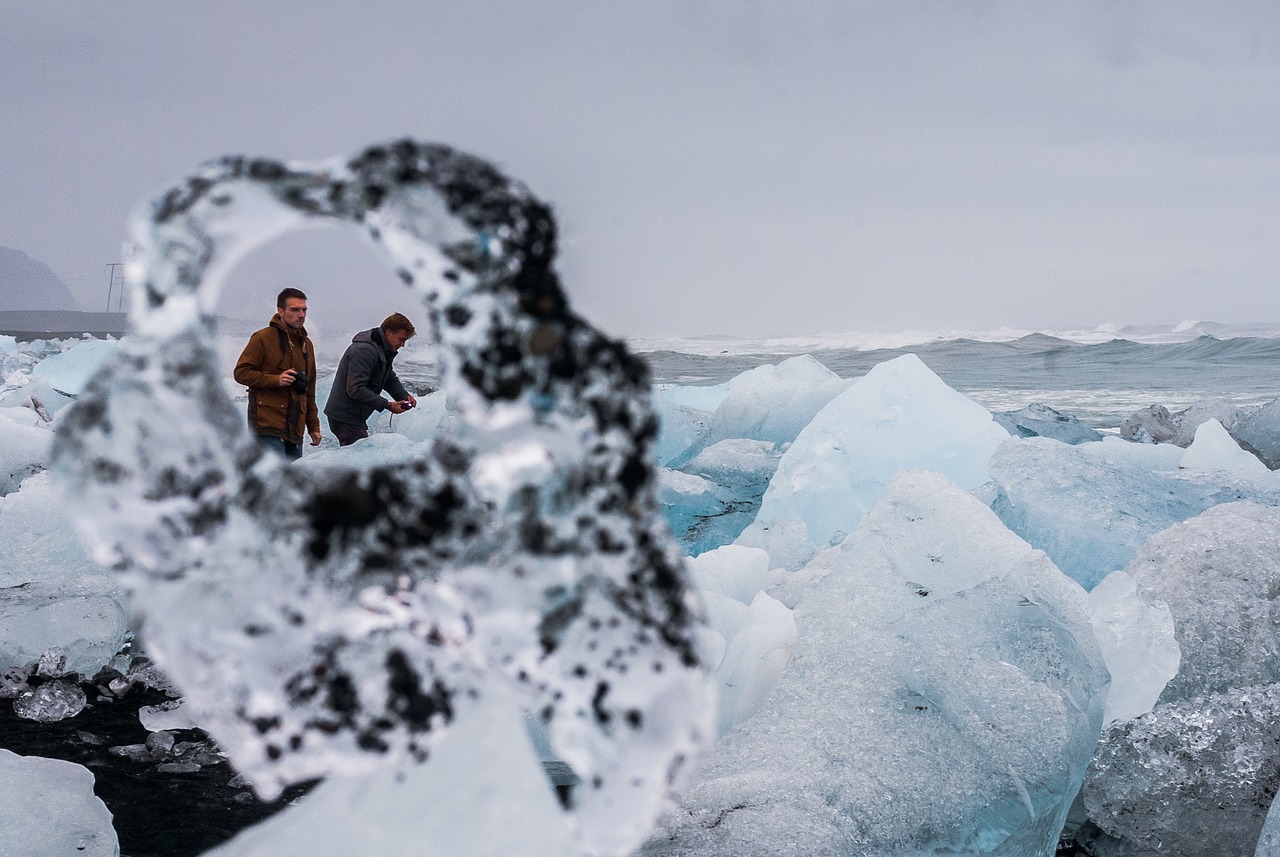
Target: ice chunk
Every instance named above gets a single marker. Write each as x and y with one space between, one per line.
1137 640
69 371
900 415
705 399
944 696
24 451
681 428
1215 449
50 702
420 424
735 473
1218 574
167 715
1155 424
733 570
774 403
696 510
1260 432
1269 840
754 660
334 619
1039 420
1194 778
48 809
1090 507
482 794
51 595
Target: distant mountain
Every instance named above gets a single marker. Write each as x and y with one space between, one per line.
26 284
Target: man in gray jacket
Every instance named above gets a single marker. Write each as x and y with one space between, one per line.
363 373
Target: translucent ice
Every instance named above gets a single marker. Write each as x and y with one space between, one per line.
1192 779
51 594
48 809
1260 432
24 448
1156 424
1090 507
1039 420
1214 449
774 403
899 415
333 620
1269 840
69 371
944 695
716 495
50 702
1219 574
482 794
1138 643
681 427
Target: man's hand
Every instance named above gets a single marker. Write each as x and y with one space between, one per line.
287 376
315 438
413 403
398 407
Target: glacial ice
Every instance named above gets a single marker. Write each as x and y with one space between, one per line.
944 695
1040 420
774 403
69 371
329 620
1260 432
1215 449
50 702
1218 573
1090 507
1138 643
51 595
25 451
899 415
1269 839
483 777
1194 778
1156 424
48 809
1196 774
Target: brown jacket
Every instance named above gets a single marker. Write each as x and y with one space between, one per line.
277 411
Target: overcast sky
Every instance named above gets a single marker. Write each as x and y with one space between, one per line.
744 168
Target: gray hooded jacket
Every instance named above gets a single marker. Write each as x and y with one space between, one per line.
363 373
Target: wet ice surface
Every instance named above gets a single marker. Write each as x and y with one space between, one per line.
48 809
944 696
336 620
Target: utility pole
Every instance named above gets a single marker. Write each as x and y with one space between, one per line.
115 277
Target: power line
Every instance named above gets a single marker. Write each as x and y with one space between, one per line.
115 277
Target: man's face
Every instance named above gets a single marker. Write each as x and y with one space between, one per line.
396 338
293 313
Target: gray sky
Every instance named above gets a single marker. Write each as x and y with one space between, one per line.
745 168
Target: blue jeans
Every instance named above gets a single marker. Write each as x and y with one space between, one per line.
291 451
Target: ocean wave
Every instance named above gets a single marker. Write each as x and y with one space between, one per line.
1150 334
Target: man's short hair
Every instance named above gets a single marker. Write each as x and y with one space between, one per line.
289 293
398 321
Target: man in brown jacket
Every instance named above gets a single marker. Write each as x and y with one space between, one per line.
279 368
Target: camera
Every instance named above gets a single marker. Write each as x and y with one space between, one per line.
300 382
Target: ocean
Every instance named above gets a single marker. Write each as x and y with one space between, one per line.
1099 376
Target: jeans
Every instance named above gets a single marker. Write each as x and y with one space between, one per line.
291 451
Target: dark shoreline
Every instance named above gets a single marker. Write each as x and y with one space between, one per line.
155 813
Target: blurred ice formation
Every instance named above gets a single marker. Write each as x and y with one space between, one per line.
336 620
